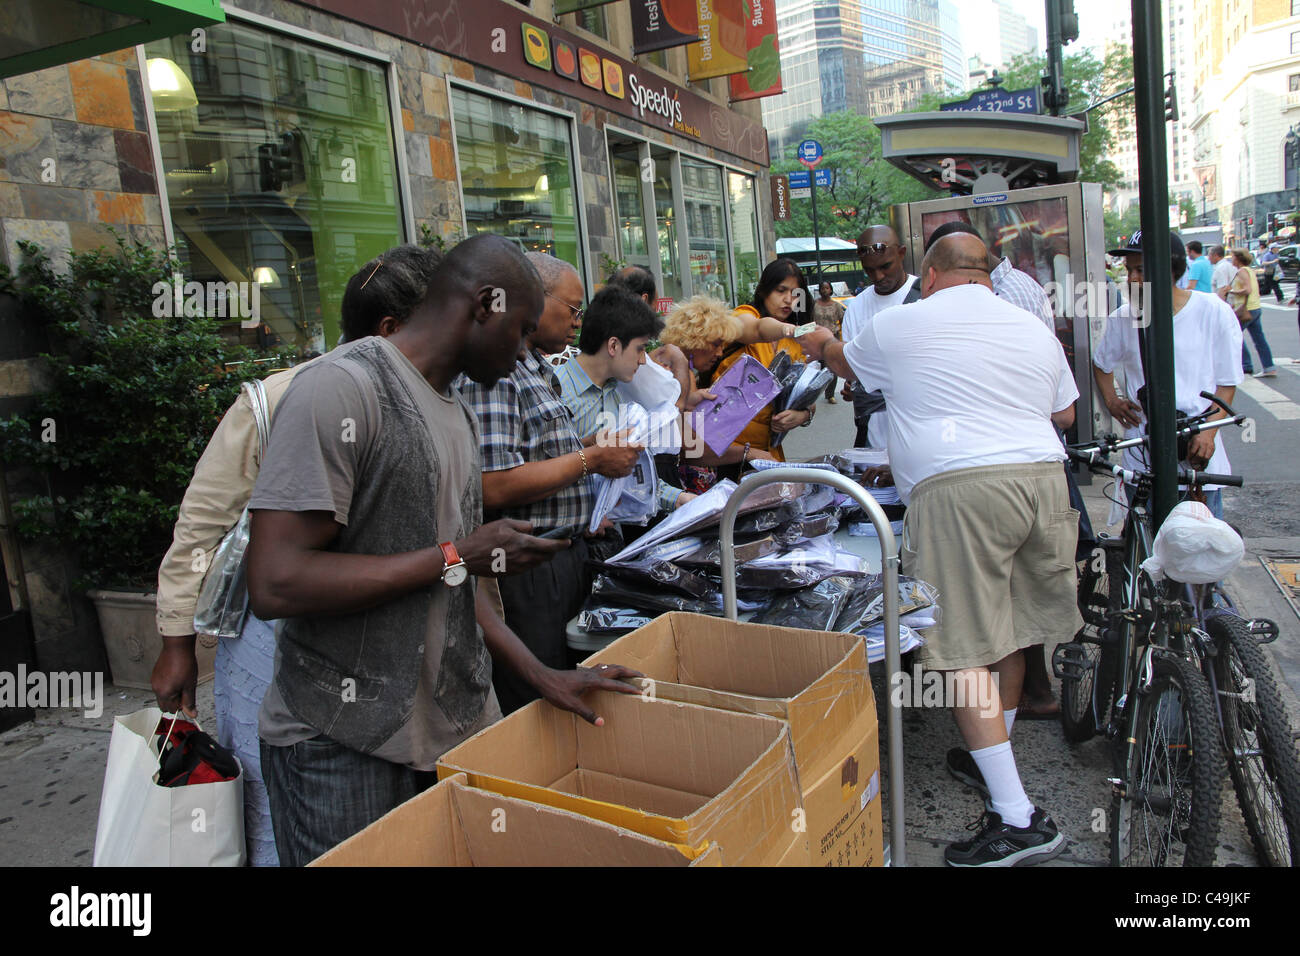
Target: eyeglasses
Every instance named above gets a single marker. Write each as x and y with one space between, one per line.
876 248
577 313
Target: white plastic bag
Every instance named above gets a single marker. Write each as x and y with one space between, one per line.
1194 547
144 824
652 385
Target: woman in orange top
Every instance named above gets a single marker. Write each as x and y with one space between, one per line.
782 294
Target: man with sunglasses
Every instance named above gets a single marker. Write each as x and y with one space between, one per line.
536 468
881 255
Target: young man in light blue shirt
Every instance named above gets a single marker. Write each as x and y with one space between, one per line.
1199 273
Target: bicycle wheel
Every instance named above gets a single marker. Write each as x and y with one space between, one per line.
1089 661
1257 740
1169 815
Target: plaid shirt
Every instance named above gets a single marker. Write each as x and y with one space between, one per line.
1021 290
522 420
596 406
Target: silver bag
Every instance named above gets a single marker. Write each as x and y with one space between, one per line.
223 599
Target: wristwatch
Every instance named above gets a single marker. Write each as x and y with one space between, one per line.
454 570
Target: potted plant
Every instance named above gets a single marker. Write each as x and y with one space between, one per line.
137 386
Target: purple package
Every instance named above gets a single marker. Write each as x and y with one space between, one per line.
742 393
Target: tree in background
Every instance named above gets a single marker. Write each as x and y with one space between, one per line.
865 184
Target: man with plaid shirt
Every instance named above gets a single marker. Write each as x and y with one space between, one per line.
536 468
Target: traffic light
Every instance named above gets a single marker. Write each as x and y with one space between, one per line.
1069 22
1171 103
280 164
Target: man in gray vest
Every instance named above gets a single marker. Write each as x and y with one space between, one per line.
366 534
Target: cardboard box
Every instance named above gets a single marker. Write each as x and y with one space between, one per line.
675 772
843 807
452 824
815 681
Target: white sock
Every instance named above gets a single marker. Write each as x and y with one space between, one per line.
1006 793
1009 718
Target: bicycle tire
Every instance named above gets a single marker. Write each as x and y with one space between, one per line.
1098 596
1257 742
1169 815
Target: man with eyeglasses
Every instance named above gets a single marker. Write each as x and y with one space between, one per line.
881 255
536 468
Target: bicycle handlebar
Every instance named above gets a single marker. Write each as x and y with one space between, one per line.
1186 476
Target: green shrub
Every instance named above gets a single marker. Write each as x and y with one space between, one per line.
135 394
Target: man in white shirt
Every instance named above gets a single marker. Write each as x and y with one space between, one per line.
1207 346
975 385
881 255
1223 269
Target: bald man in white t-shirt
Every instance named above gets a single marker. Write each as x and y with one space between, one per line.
974 385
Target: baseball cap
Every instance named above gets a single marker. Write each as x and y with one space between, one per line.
1176 247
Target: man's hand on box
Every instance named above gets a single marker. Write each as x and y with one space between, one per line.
565 689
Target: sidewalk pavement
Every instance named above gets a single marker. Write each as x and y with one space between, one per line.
52 768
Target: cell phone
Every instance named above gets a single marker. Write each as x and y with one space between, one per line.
568 531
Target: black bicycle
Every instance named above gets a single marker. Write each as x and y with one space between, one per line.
1173 675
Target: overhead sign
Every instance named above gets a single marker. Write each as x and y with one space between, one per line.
660 24
810 153
998 101
780 198
721 49
762 53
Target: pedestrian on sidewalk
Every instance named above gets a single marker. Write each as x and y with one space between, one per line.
366 537
376 302
828 314
1243 297
989 522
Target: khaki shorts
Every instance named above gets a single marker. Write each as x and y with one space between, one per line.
998 543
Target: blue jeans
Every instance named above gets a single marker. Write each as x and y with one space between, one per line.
1256 330
244 668
322 792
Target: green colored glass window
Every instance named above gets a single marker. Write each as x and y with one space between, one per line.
744 234
280 169
517 174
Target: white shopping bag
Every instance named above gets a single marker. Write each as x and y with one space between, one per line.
144 824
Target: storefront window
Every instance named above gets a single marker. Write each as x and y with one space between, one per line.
744 234
629 207
706 228
667 226
517 174
282 174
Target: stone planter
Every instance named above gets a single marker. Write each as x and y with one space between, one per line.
128 622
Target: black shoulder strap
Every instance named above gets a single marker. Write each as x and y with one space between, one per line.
913 294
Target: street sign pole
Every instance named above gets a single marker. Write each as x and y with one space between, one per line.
817 241
1158 302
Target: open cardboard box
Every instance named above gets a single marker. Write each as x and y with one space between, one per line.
675 772
452 824
815 681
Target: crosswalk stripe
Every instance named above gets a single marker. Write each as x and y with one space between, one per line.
1273 401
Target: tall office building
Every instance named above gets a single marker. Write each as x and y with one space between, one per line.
1245 103
875 57
1179 40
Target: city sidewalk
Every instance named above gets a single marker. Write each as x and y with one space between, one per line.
52 768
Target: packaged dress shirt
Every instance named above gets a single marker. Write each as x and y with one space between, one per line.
743 391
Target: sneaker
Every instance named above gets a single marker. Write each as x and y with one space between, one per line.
999 844
963 766
1268 373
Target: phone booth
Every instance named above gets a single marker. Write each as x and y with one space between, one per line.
1054 234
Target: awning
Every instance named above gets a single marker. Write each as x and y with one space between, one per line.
35 34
